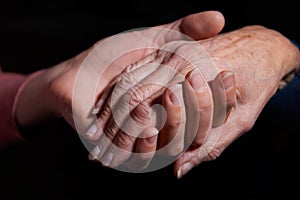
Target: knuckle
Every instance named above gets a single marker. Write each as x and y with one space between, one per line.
205 100
176 55
124 82
126 79
126 103
136 95
124 140
170 47
141 115
111 131
106 110
179 63
214 154
205 105
211 155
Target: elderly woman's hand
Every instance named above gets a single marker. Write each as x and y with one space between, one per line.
123 119
259 57
210 100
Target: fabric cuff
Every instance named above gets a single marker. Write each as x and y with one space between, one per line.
11 85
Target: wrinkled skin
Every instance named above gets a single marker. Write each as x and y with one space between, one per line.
258 56
121 116
70 91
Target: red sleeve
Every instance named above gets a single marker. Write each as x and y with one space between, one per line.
10 84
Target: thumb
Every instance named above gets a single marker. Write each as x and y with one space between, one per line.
200 25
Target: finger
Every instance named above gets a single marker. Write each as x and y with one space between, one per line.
139 85
118 151
118 110
224 96
101 147
143 146
186 162
102 99
155 83
223 87
133 68
194 156
109 122
125 82
171 138
199 103
197 26
144 150
202 25
123 143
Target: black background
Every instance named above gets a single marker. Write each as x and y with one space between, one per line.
40 34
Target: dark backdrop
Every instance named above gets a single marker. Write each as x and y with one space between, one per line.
38 34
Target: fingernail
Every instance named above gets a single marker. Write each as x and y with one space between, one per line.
228 80
176 94
92 130
179 173
98 106
95 153
185 168
152 140
107 158
196 80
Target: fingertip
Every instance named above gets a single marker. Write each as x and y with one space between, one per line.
148 142
197 81
219 19
203 25
94 132
172 96
95 153
151 136
184 169
228 79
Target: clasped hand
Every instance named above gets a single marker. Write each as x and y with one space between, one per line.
205 108
180 91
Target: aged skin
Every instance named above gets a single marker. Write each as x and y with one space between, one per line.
57 82
258 56
53 92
